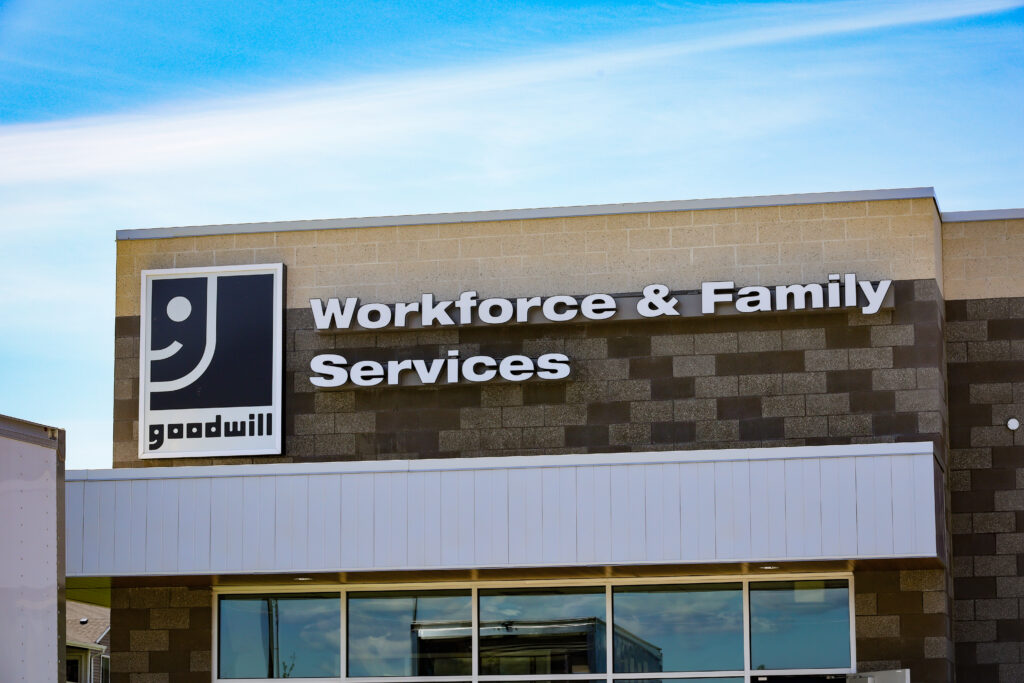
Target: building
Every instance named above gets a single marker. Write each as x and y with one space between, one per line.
87 640
750 439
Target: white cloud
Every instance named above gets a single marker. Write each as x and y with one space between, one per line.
503 106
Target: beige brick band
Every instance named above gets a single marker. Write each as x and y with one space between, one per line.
983 259
897 239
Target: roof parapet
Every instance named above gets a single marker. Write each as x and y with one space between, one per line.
524 214
988 215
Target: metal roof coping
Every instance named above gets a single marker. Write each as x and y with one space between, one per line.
988 215
525 214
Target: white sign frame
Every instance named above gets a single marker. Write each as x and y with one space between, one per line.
277 399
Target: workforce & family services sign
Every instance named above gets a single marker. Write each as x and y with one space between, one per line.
656 301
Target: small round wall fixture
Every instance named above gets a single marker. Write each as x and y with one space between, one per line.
1013 424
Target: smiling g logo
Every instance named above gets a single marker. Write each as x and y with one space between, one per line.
210 362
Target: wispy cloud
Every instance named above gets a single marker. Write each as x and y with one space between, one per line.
491 102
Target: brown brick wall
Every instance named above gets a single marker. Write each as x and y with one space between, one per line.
796 379
160 635
903 622
163 634
985 341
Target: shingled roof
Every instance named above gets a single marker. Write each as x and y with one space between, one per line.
91 632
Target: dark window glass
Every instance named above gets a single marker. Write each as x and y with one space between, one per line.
678 628
410 633
72 670
717 679
564 680
800 625
542 631
105 669
279 636
800 678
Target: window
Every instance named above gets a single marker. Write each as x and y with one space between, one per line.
105 669
702 679
542 631
426 633
695 627
800 625
73 669
631 631
279 636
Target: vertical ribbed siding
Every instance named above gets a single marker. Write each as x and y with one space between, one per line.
828 507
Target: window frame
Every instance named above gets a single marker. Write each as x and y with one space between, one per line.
747 674
84 669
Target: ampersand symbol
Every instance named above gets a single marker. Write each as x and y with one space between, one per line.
656 302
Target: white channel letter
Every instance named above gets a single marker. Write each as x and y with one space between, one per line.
341 318
711 294
331 365
598 307
568 313
469 368
875 296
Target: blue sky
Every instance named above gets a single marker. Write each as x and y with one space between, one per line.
127 115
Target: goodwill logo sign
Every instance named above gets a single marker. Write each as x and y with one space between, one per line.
210 361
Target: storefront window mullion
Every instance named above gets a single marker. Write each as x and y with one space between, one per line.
746 627
853 629
343 598
475 619
609 633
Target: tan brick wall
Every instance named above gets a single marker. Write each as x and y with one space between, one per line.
983 259
896 239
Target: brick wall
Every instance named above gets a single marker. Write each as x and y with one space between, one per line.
797 379
981 259
160 635
896 239
903 621
986 388
793 379
163 634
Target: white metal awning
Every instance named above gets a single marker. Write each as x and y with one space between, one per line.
849 502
